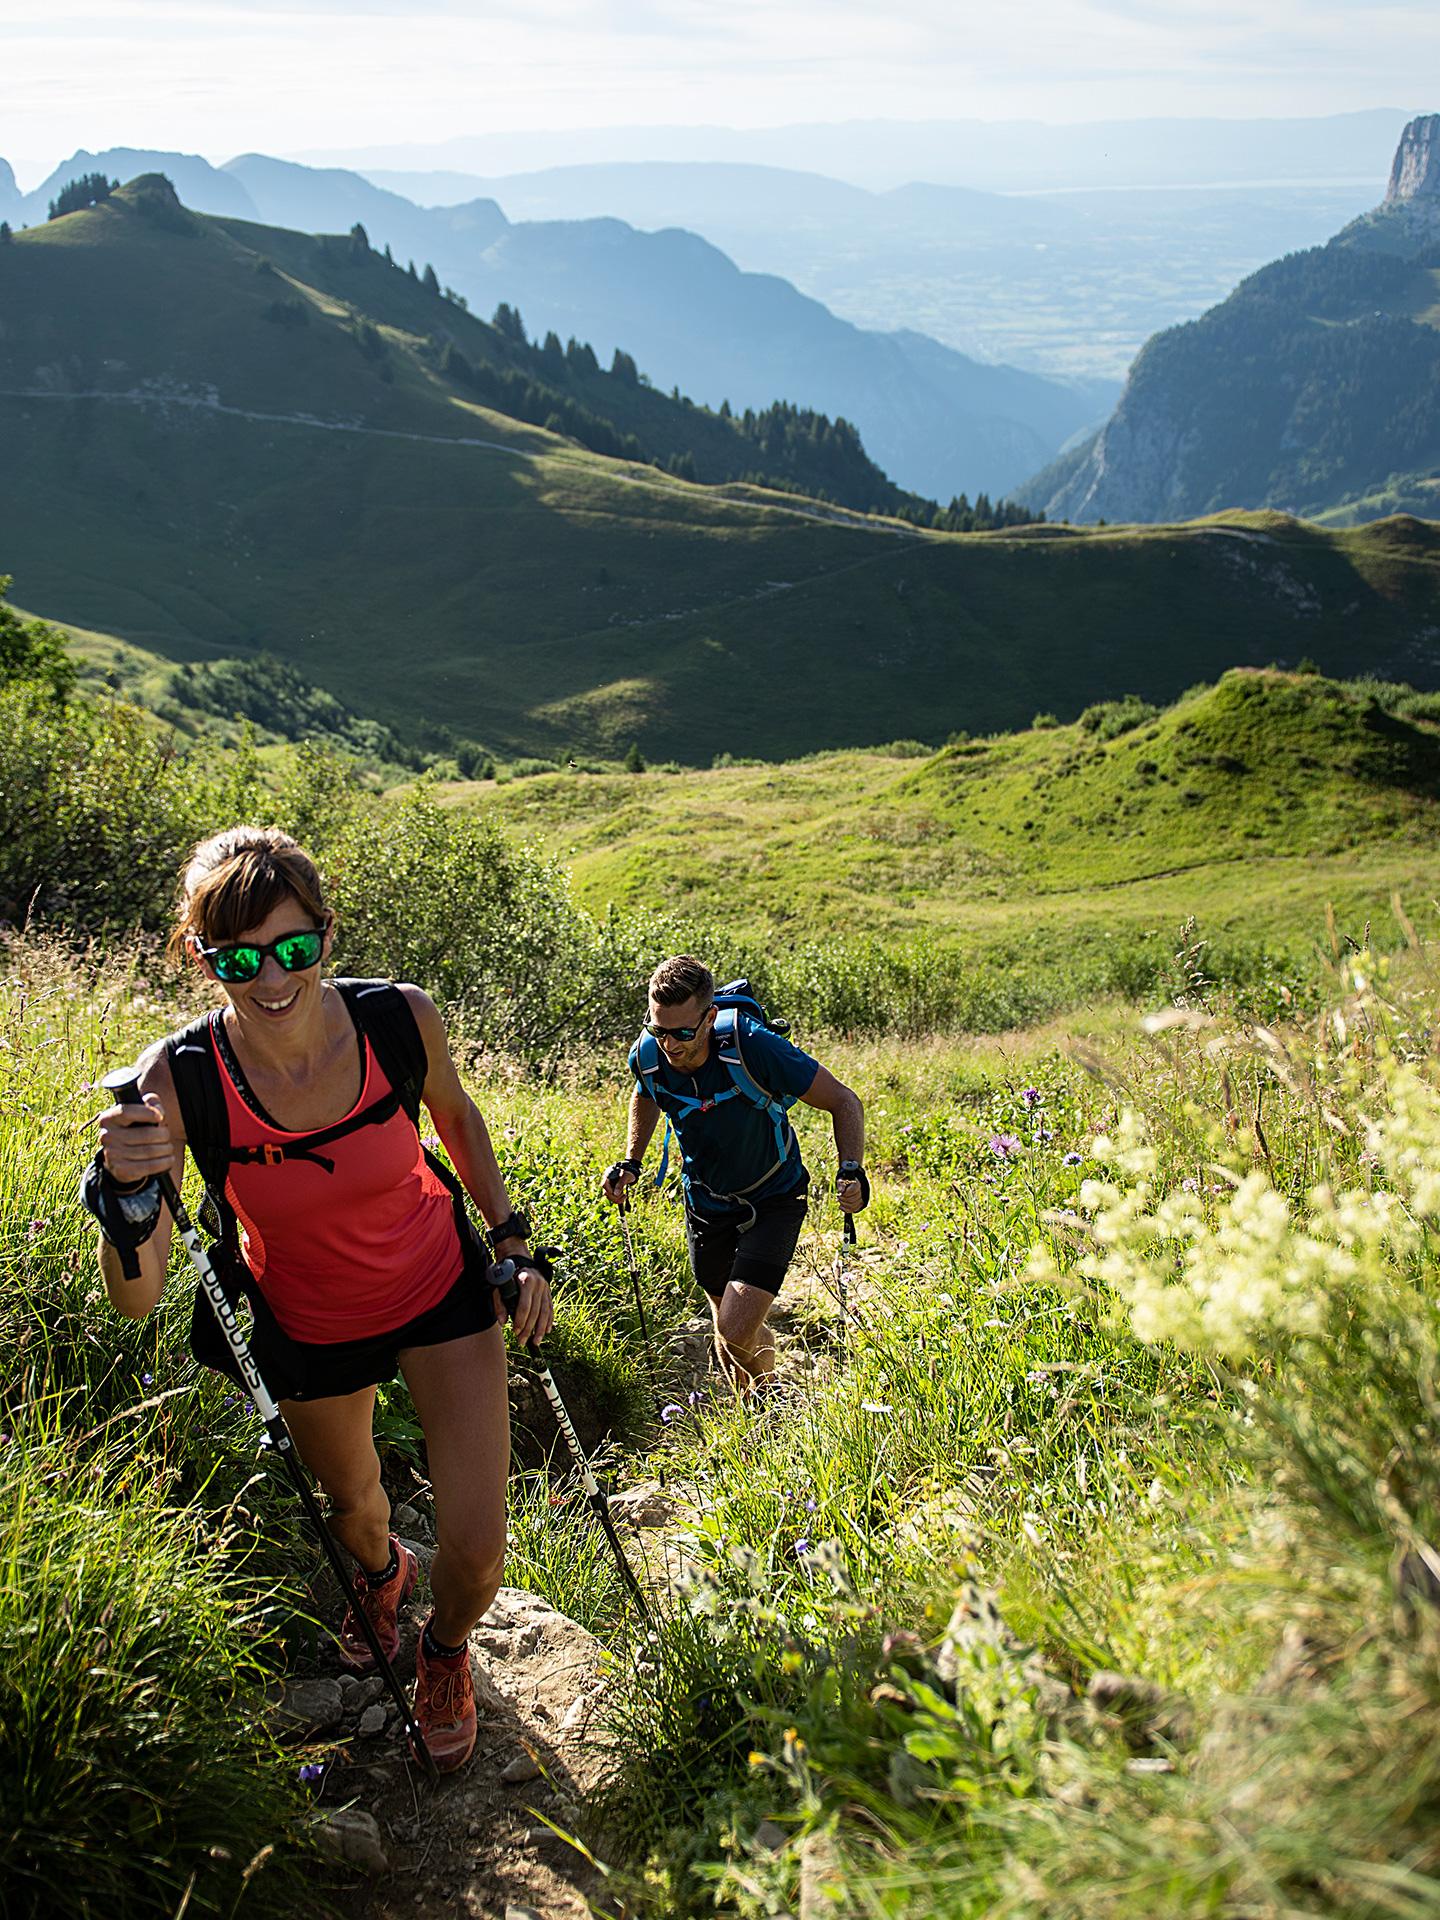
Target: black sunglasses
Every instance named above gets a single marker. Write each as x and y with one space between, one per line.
674 1033
294 951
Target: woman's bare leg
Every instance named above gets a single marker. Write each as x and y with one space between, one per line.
461 1394
336 1440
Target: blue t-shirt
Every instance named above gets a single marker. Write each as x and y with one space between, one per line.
728 1149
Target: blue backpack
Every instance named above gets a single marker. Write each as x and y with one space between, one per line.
738 1011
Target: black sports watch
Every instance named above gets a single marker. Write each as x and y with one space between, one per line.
515 1226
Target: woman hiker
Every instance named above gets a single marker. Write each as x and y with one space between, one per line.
353 1244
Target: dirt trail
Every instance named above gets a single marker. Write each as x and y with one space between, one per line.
477 1846
477 1843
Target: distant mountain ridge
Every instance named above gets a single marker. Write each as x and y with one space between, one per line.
938 422
1316 385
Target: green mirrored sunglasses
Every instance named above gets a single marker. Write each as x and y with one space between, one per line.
294 951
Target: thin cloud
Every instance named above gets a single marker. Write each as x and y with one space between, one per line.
223 76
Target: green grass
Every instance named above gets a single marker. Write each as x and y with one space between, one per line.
1252 804
542 599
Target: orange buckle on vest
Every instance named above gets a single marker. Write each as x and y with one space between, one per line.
273 1156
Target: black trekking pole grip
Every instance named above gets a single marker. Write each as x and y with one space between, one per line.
125 1086
505 1278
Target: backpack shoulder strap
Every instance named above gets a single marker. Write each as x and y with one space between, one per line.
196 1074
384 1016
729 1030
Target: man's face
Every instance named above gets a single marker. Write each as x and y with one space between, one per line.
668 1024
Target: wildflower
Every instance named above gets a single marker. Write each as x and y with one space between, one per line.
1031 1098
1071 1159
757 1759
793 1741
1004 1146
432 1141
875 1406
694 1396
810 1506
802 1547
667 1414
147 1379
312 1771
1044 1135
35 1229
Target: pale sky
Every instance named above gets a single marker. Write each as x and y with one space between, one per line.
221 77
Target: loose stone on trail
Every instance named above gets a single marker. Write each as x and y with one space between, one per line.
352 1836
310 1706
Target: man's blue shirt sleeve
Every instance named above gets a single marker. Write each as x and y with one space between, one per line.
779 1065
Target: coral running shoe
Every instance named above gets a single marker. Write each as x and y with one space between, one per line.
445 1706
382 1605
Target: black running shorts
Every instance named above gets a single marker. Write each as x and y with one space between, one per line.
723 1248
319 1370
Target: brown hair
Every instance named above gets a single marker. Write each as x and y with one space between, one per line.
234 879
680 979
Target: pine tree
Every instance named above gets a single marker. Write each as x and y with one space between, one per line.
430 279
623 367
5 234
634 759
359 242
88 191
509 325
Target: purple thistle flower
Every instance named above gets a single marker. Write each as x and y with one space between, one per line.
1071 1160
1031 1098
1004 1146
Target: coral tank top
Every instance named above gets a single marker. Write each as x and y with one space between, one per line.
354 1242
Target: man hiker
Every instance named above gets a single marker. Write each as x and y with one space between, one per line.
724 1079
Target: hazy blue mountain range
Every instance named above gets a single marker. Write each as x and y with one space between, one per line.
938 422
1073 283
1314 388
1000 155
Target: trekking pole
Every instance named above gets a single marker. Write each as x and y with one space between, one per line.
125 1086
504 1277
633 1264
847 1240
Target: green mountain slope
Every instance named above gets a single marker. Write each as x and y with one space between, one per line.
1316 385
189 466
1254 803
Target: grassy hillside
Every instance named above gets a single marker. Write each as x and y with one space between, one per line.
1253 803
204 479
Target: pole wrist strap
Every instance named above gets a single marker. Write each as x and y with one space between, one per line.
126 1220
852 1170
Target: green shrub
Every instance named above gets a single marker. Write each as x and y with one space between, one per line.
1108 719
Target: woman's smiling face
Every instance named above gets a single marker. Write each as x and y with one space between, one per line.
275 997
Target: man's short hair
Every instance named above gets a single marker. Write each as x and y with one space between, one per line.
680 979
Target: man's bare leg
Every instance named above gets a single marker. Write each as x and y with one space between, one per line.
744 1343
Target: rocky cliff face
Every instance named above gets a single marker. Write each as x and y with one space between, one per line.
1312 384
1416 172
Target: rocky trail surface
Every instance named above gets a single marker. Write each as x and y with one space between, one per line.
491 1841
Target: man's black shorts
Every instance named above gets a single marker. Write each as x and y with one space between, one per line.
757 1256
